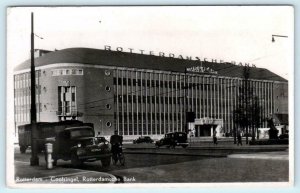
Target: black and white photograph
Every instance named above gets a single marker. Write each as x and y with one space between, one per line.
149 96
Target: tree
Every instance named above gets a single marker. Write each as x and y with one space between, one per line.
247 115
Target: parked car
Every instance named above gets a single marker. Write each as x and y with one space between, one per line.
173 139
143 139
79 145
284 136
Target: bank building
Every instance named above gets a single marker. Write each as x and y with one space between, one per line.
140 94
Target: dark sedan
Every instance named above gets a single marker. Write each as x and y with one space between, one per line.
143 139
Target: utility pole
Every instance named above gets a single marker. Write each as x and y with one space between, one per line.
34 160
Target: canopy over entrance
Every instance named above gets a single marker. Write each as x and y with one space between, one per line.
205 127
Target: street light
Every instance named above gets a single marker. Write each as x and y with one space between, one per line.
281 36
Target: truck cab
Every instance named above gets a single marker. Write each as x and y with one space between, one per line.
79 145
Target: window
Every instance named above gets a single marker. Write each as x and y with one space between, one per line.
107 88
108 124
73 96
82 133
108 106
67 100
107 72
67 107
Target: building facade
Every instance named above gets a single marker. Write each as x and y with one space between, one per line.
140 94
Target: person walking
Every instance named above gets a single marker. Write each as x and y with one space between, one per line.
215 139
239 139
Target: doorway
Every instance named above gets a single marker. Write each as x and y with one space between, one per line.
204 130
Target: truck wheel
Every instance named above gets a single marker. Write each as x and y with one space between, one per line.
54 162
105 162
75 161
23 149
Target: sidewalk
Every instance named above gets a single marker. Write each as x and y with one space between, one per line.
24 173
263 155
206 148
39 174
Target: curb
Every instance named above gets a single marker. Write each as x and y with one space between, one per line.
176 154
218 148
257 156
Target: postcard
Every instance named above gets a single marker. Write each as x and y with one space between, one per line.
150 96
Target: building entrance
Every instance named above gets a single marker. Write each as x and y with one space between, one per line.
205 127
204 130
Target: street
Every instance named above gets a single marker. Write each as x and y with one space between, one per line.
143 167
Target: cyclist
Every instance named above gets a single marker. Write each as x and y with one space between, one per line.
116 145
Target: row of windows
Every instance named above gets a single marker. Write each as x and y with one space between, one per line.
205 85
20 109
146 129
130 131
172 116
167 100
27 91
27 76
24 84
25 100
165 84
62 72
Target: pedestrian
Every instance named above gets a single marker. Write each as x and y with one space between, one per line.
215 139
239 139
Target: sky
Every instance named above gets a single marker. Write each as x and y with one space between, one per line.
229 33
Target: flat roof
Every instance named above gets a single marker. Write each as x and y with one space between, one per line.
141 61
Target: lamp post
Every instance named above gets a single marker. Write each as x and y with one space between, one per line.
281 36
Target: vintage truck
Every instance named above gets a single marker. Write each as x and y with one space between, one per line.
72 140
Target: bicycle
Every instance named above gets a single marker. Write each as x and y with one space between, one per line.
118 155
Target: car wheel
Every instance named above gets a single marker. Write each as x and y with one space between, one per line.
54 162
184 146
75 161
105 162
